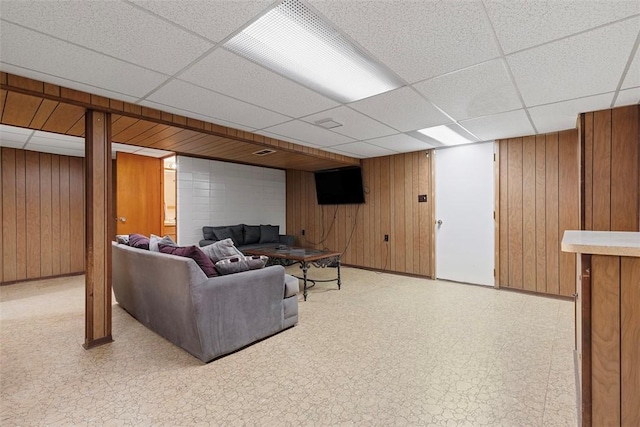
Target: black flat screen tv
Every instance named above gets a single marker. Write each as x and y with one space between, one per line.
339 186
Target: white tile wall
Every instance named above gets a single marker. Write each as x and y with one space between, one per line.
220 193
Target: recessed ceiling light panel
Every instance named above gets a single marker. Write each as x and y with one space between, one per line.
293 40
445 135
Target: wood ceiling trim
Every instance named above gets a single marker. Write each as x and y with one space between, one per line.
18 84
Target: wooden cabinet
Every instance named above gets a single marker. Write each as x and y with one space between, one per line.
607 326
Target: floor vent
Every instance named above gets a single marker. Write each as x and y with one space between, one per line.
264 152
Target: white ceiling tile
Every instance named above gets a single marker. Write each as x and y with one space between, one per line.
628 97
188 97
503 125
229 74
303 131
10 143
27 49
563 115
191 114
416 39
402 109
354 124
287 139
152 152
400 143
54 142
53 149
476 91
115 146
116 29
361 149
520 24
56 80
632 79
42 137
575 67
214 20
14 129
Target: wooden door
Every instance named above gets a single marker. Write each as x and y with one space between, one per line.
138 194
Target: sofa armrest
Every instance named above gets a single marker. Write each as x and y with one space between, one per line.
287 239
234 310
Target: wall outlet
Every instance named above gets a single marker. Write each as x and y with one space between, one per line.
303 232
386 237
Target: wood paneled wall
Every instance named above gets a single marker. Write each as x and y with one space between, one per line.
539 187
42 215
610 143
392 185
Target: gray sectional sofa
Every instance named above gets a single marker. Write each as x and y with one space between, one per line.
247 236
208 317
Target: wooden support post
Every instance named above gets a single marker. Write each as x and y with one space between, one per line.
99 228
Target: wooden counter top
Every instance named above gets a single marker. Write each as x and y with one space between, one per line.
617 243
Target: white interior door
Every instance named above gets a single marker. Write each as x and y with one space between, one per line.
464 213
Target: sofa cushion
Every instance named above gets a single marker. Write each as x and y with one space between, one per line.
221 249
194 253
235 233
138 241
251 234
232 265
269 233
155 240
291 286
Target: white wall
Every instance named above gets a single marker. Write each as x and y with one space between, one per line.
220 193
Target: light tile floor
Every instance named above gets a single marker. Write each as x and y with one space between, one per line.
385 350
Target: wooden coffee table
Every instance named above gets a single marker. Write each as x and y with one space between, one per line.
303 256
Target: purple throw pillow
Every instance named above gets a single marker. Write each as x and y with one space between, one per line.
138 241
194 253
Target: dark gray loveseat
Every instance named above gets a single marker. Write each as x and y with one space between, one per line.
246 236
208 317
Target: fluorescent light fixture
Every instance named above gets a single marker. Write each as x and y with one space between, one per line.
445 135
293 40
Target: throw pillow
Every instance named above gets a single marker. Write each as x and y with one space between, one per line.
194 253
234 233
232 265
122 238
269 233
221 249
138 241
256 262
251 234
155 240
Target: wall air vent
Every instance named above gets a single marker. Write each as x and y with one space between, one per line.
264 152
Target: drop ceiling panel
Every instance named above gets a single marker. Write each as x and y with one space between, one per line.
4 142
402 109
13 136
575 67
476 91
60 59
214 20
56 80
52 149
229 74
354 124
416 39
628 97
498 126
215 106
288 139
197 116
109 28
361 150
400 143
563 115
306 132
520 24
